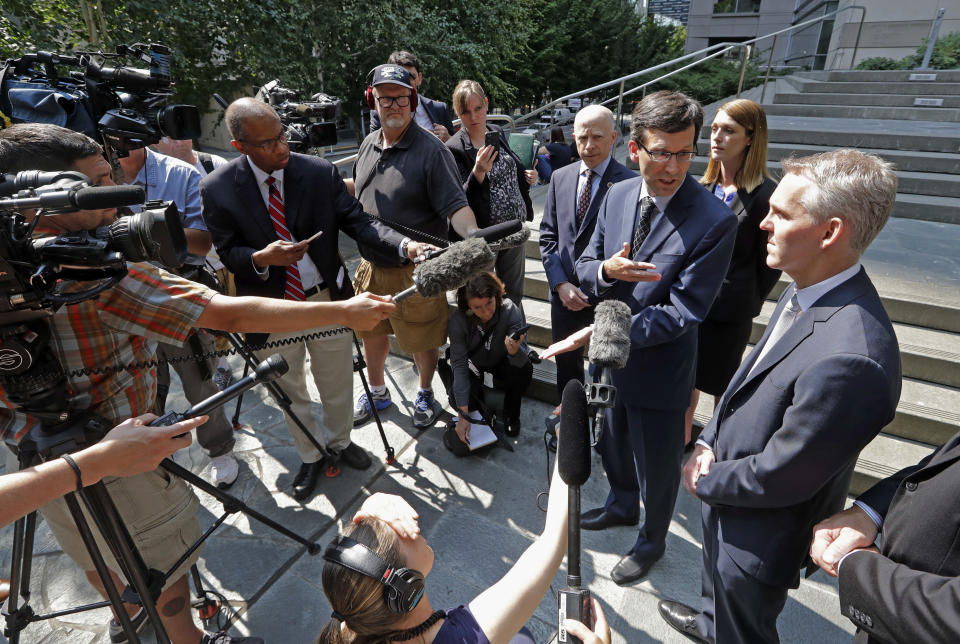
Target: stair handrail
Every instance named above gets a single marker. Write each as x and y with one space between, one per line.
721 48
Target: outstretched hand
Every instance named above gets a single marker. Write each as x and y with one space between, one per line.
366 310
601 630
132 447
572 342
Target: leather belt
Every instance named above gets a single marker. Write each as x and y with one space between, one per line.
310 292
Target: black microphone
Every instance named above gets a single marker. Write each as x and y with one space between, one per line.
88 198
609 350
451 270
573 464
10 184
513 240
497 232
270 369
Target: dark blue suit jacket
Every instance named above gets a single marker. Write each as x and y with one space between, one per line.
437 110
561 243
315 198
786 436
691 244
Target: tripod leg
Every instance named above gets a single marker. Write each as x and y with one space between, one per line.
17 618
235 421
358 367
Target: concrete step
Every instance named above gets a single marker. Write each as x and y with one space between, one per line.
880 100
883 456
916 183
905 160
948 114
884 134
896 87
927 355
885 76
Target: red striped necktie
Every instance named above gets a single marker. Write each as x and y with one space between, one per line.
294 287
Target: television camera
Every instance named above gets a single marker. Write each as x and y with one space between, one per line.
308 125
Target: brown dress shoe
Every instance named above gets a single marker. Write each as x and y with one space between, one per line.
4 590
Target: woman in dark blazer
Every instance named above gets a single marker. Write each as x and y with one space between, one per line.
496 183
737 175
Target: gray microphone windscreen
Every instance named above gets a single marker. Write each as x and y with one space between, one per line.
452 269
513 240
610 342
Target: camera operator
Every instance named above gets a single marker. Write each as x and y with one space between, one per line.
169 179
121 327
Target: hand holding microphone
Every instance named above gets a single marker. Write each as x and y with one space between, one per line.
450 270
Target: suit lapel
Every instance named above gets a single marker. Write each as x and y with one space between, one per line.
677 211
251 199
292 197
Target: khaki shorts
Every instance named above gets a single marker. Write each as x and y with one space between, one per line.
159 510
420 323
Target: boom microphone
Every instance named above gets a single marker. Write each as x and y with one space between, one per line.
513 240
609 349
451 270
573 464
89 198
497 232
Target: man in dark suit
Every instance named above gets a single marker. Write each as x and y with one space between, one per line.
290 252
909 590
431 115
661 244
824 379
569 217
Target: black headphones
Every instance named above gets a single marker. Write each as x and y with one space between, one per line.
371 102
404 585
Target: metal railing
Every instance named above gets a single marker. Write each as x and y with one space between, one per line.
707 53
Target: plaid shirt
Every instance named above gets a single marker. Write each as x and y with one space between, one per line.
119 327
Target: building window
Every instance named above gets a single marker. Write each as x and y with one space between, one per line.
736 6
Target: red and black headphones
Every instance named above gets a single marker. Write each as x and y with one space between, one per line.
371 102
404 586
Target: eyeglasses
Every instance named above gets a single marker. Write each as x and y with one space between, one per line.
387 102
660 156
269 144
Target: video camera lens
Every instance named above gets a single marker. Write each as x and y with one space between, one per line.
179 122
151 235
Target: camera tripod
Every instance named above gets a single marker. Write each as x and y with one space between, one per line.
76 432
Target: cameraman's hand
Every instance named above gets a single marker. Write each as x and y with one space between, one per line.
417 251
132 447
601 630
393 509
366 310
279 253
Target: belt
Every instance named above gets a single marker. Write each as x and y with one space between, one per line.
310 292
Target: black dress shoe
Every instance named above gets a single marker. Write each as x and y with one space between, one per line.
306 480
353 456
682 618
630 569
600 519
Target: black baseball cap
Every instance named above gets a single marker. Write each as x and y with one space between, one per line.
393 74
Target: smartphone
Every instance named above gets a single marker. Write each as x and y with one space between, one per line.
492 138
515 336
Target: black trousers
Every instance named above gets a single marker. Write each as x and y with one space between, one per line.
564 322
513 381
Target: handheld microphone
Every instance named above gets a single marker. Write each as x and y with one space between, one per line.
451 270
609 349
268 370
573 464
88 198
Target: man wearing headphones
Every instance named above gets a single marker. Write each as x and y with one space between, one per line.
431 115
408 178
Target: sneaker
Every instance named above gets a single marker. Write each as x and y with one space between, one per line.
225 470
361 411
117 636
223 638
425 410
222 378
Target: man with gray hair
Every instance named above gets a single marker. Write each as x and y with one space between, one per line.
569 217
821 383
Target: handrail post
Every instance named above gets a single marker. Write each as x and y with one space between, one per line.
743 68
620 110
766 77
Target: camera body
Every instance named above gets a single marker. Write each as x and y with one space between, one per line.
308 125
126 107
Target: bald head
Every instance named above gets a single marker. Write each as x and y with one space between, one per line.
594 134
246 109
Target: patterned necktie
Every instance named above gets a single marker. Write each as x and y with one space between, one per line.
790 313
294 287
583 203
647 209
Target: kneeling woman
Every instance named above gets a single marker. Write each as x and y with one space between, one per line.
483 353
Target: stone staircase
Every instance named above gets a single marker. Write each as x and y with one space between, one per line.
915 262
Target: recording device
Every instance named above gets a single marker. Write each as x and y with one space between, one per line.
515 336
609 350
125 106
404 586
450 270
492 138
267 371
38 273
311 124
573 464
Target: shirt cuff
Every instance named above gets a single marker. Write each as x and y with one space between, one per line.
403 247
602 282
870 512
263 273
700 441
